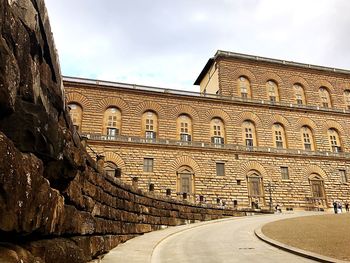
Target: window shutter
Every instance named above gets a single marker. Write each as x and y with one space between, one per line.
212 139
154 135
189 138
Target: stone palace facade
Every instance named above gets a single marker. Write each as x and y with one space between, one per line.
260 132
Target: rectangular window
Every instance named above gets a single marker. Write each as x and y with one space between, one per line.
279 140
249 142
284 173
343 176
307 141
217 140
150 135
185 137
148 164
272 98
149 125
185 183
184 127
220 169
244 95
217 130
112 131
112 121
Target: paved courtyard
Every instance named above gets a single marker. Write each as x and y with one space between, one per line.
327 235
226 240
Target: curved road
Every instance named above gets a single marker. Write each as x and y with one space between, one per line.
228 241
219 241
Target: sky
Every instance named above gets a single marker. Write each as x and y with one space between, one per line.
166 43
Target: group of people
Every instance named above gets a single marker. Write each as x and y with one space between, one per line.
338 207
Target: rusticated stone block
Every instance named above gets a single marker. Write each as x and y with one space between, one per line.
75 222
11 253
27 202
60 250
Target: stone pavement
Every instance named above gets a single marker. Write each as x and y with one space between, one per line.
224 240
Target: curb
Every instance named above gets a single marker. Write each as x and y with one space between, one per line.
296 251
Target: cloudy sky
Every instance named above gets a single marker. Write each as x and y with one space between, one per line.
166 43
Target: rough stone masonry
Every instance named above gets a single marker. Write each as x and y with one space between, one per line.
56 205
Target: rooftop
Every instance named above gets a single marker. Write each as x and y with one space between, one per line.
221 53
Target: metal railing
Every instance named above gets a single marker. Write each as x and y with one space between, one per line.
204 95
233 147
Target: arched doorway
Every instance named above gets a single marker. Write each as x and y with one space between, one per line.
185 183
317 191
255 189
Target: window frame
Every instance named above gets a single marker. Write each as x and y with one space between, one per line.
220 168
285 173
148 164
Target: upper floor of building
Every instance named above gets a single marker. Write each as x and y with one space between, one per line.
114 111
253 78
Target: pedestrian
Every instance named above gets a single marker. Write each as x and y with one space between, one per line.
346 206
335 207
278 208
339 208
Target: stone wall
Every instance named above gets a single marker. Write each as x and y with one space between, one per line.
55 203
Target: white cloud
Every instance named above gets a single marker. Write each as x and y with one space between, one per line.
167 43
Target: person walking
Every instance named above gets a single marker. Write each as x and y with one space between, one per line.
346 206
335 207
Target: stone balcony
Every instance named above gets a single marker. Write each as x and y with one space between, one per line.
228 147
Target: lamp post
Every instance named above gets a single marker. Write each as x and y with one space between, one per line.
270 194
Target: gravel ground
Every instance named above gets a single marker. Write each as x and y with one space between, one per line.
328 235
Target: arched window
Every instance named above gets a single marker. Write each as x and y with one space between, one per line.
243 85
150 124
249 133
272 91
334 140
185 180
255 188
76 114
307 138
347 99
299 94
112 169
112 121
317 186
217 131
325 98
279 135
184 128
